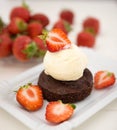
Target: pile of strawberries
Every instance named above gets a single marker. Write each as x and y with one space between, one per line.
20 36
87 37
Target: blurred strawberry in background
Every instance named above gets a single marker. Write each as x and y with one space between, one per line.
67 15
22 32
91 25
5 45
17 25
63 25
34 29
24 48
85 39
22 12
20 35
42 48
41 18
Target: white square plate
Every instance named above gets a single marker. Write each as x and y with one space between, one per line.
85 109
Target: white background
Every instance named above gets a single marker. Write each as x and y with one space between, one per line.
106 44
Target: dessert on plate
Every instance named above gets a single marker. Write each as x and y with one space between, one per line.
65 76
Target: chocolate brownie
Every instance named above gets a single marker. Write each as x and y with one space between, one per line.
67 91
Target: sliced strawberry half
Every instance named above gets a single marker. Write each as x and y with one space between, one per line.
56 40
57 111
30 97
103 79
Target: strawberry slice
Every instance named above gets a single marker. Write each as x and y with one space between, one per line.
56 40
30 97
103 79
57 112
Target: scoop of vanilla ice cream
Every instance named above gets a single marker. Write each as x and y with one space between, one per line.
65 65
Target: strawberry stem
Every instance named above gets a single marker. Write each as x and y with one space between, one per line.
26 85
30 50
67 26
40 53
1 25
44 35
22 26
73 106
25 5
15 91
90 30
109 74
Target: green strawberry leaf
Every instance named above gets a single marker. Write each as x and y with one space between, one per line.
25 5
73 106
90 30
40 53
67 26
22 26
44 35
31 50
1 25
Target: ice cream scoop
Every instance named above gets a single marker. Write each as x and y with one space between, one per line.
65 65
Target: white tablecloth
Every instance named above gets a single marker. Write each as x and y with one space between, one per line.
106 44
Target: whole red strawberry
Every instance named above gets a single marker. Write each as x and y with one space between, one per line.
17 25
104 79
24 48
5 45
57 112
34 29
67 15
63 25
41 46
21 12
42 18
85 39
91 25
30 97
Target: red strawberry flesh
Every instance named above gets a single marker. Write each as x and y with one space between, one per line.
103 79
57 40
30 97
57 112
